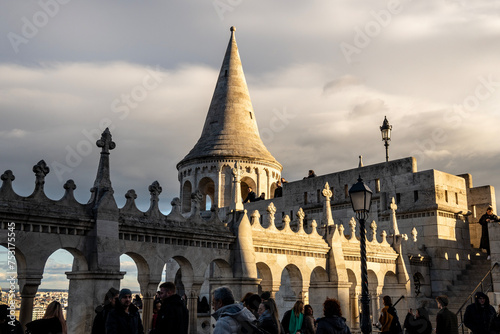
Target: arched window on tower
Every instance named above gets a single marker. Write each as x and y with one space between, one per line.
207 189
187 189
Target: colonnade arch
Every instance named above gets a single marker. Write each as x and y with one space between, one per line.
187 189
207 188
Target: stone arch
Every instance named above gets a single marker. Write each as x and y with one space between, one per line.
421 287
187 189
215 275
392 287
266 276
247 182
207 188
353 300
273 187
318 289
143 275
291 286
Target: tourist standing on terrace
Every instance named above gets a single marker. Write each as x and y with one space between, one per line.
52 322
124 318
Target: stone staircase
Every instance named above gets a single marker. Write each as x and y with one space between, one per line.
464 284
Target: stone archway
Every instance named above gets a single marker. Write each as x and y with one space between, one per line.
247 182
317 293
266 276
290 289
207 188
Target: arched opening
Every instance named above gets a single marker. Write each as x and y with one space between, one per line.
187 189
207 189
54 284
317 292
266 276
273 188
246 183
291 285
129 280
353 299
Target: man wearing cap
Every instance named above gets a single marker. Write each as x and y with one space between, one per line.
478 316
124 318
485 219
446 321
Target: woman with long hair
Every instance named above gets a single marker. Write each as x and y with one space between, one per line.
52 322
269 317
292 319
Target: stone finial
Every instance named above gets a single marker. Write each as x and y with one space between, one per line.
155 191
404 236
286 222
414 234
373 226
69 188
384 236
394 224
106 142
237 171
255 217
300 217
131 195
233 28
196 199
352 225
360 164
327 193
341 229
7 178
271 210
236 200
41 170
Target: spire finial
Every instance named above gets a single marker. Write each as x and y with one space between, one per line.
233 28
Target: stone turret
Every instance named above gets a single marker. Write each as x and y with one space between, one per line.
230 135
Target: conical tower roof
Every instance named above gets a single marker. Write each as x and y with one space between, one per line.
230 129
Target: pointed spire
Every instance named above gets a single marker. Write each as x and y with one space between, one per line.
230 128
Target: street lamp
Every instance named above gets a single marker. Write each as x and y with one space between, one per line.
361 198
386 136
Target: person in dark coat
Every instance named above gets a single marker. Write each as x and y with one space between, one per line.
485 219
53 321
102 311
308 325
278 192
495 323
8 322
173 317
478 316
446 321
332 322
251 197
269 317
419 322
124 318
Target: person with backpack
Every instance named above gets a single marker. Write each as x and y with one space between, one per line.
389 319
230 317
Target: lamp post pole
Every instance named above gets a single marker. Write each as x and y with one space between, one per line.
361 196
386 150
366 326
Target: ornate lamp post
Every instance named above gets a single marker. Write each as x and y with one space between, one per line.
386 136
361 197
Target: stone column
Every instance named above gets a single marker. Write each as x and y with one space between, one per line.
193 294
86 291
148 296
29 287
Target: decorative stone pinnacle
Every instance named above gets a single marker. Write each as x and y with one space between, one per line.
40 170
106 142
237 171
155 189
352 225
360 161
414 234
233 28
327 193
300 214
70 185
8 176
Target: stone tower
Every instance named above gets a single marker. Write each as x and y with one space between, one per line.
230 135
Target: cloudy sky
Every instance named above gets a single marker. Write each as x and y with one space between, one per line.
322 75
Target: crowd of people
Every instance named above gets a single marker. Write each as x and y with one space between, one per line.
119 314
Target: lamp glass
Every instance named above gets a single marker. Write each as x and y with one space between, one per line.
361 196
386 134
